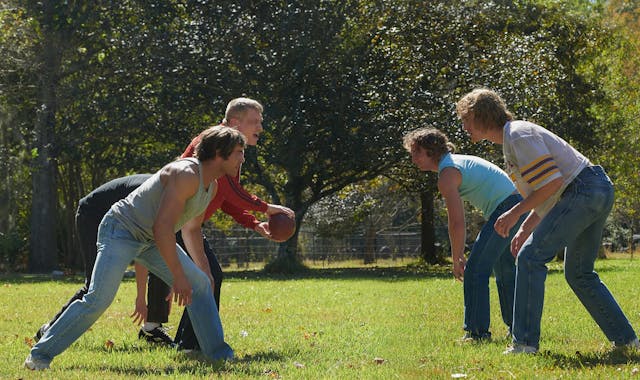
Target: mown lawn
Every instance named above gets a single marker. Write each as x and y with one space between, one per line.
352 323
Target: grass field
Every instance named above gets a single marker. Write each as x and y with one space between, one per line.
350 323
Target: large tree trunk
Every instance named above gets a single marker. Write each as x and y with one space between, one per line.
44 246
428 235
69 181
370 244
43 241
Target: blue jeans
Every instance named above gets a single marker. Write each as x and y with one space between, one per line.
490 252
575 222
116 249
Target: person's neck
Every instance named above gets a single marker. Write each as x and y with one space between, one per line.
211 171
496 135
435 163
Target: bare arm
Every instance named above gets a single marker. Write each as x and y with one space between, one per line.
448 184
523 233
179 185
192 237
140 312
507 220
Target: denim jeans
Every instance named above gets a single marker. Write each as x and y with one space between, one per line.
490 252
575 222
116 249
185 336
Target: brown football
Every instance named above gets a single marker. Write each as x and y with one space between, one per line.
281 226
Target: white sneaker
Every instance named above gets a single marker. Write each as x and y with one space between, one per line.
35 365
520 349
634 344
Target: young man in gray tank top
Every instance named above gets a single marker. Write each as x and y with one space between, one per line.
142 227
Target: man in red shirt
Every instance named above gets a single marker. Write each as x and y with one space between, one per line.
245 115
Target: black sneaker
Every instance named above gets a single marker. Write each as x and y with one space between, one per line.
43 329
157 335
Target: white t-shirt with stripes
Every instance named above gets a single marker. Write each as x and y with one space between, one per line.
534 157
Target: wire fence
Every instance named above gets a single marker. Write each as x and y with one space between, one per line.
244 248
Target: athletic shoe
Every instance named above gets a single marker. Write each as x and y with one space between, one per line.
520 349
43 329
633 345
35 365
476 338
157 335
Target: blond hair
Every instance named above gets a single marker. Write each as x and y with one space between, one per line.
238 106
486 107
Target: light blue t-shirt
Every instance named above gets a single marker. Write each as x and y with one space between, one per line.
484 184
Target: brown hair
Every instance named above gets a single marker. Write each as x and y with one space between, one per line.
484 106
432 140
218 140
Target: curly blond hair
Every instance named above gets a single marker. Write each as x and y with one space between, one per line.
484 106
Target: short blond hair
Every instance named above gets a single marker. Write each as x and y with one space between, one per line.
238 106
485 106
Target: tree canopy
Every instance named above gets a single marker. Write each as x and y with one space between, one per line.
92 91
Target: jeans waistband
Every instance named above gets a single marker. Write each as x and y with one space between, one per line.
591 171
585 174
508 202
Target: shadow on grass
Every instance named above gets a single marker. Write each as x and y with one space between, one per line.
21 278
198 366
580 360
191 367
399 273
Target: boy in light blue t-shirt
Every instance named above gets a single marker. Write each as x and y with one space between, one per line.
488 188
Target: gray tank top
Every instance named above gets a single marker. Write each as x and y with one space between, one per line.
139 209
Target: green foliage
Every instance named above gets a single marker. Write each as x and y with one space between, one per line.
616 68
13 251
379 204
341 82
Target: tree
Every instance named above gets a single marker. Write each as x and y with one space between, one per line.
129 83
15 62
310 62
530 52
368 208
40 23
617 70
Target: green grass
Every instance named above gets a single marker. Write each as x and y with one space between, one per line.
330 323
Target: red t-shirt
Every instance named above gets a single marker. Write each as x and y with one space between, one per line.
231 197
